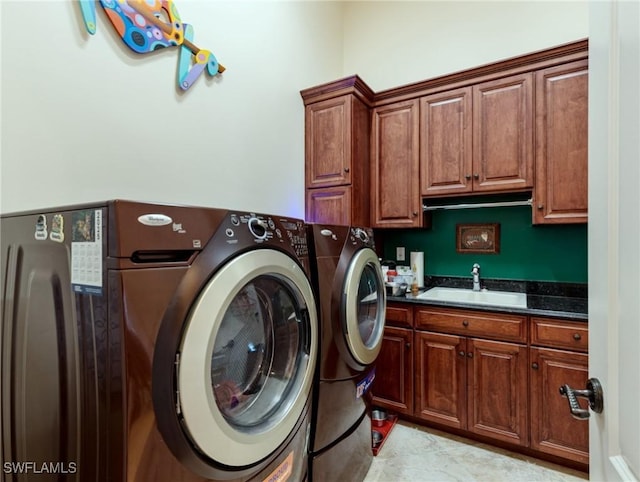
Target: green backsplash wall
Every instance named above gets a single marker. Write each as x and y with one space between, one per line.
538 253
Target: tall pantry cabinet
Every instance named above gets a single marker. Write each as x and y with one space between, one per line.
337 130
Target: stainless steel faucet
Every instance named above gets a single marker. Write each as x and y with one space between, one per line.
475 271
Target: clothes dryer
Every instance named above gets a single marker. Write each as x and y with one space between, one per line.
148 342
347 277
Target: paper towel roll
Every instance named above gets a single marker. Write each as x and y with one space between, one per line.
417 266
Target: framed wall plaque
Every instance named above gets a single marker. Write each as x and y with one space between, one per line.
478 238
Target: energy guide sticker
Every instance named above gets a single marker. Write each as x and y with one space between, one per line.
86 251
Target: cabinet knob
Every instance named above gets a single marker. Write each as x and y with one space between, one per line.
407 345
540 206
467 177
534 365
465 323
470 355
576 336
415 213
461 353
476 176
346 169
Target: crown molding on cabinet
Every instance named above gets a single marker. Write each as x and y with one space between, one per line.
541 59
348 85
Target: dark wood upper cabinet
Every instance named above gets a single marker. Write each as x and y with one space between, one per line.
510 126
328 143
503 134
561 144
330 205
395 166
478 138
446 157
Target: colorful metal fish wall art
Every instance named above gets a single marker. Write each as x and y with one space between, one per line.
148 25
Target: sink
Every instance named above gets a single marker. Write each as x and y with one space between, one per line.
492 298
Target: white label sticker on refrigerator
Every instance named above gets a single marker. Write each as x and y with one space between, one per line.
86 251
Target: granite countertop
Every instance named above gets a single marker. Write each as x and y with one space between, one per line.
560 300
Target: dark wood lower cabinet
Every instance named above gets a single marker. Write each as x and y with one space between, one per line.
553 429
393 386
505 391
497 390
441 379
472 384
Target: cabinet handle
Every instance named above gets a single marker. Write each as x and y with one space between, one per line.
534 365
465 323
540 206
577 336
476 176
346 169
467 177
470 355
461 353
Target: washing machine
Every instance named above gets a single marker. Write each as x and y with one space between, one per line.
347 278
150 342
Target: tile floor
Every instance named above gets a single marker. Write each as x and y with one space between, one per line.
418 454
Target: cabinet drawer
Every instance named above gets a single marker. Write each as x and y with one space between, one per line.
399 315
496 326
560 334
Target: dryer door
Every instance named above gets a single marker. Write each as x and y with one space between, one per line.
364 303
247 358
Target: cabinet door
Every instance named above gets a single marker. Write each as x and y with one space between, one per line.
440 383
328 142
393 385
553 428
395 166
503 134
497 381
329 206
446 143
561 144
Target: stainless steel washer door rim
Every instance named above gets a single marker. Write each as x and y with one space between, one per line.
364 312
208 428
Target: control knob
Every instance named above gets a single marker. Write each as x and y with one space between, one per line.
258 228
362 235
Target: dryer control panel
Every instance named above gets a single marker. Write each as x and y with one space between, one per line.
362 236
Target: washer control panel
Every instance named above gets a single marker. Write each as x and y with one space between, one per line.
263 228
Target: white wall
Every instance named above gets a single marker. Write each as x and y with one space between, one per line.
390 44
85 119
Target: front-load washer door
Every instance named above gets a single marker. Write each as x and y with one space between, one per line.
247 358
363 306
